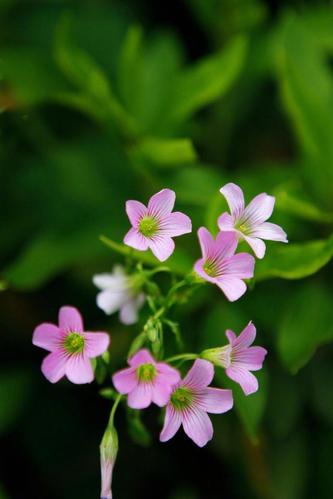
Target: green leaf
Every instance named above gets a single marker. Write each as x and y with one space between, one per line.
206 81
137 429
165 152
294 261
14 391
308 323
289 203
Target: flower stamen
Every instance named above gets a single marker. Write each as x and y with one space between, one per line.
148 226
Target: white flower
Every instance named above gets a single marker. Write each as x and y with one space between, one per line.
119 292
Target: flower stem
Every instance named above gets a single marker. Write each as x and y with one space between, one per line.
182 356
114 408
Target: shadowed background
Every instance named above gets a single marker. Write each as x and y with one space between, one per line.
103 101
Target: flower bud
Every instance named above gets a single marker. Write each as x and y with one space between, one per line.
108 454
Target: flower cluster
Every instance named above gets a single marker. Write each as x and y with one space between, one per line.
186 397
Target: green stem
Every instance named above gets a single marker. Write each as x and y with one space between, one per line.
183 356
114 408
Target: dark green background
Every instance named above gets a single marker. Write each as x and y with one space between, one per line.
103 101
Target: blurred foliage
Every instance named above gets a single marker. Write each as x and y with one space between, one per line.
103 101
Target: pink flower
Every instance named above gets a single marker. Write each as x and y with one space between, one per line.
146 381
239 358
190 401
250 222
153 227
71 348
221 266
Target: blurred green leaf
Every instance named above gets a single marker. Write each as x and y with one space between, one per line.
137 429
14 392
294 261
287 202
206 81
3 494
165 152
308 323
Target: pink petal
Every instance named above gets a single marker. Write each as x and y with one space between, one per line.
70 320
125 380
215 400
47 336
246 338
200 375
244 378
96 344
171 425
161 203
176 224
251 358
129 311
259 210
162 247
232 287
270 231
235 199
79 370
135 210
141 396
198 267
143 356
54 366
226 244
240 265
207 242
136 240
198 426
258 246
230 335
167 374
161 393
225 222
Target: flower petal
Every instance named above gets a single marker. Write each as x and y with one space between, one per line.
207 243
167 374
258 246
240 265
141 396
198 426
125 380
200 375
143 356
54 366
270 231
129 311
245 338
79 369
111 301
244 378
136 240
232 287
135 210
46 336
231 336
162 247
111 281
172 422
176 224
226 244
225 222
215 400
199 269
259 210
251 358
235 199
161 204
70 319
96 343
160 393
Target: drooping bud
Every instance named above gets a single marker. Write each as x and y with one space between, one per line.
108 455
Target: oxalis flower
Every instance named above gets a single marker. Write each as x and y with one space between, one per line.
108 455
154 226
146 381
70 346
221 266
120 292
250 222
190 401
239 358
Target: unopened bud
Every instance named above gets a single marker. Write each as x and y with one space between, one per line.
108 455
